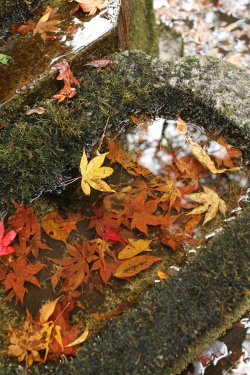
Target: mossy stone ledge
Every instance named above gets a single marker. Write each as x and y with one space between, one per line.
178 317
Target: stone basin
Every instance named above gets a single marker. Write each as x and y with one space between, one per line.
180 316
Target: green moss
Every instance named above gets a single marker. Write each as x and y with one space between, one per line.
143 31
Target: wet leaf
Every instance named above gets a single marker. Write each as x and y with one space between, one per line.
5 240
80 339
134 247
161 275
93 173
4 59
211 201
22 272
47 310
205 159
45 24
135 265
99 63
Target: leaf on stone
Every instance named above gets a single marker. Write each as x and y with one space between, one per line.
211 202
93 173
162 275
4 59
205 159
5 240
135 265
134 247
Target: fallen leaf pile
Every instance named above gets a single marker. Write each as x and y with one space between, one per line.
127 223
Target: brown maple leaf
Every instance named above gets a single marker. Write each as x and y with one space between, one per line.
141 213
36 243
73 269
22 272
24 222
24 344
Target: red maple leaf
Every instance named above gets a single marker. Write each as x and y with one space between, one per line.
111 235
6 240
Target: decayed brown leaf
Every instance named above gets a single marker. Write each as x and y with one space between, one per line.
56 227
211 201
38 110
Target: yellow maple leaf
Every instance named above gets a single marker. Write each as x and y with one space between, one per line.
93 173
205 159
211 203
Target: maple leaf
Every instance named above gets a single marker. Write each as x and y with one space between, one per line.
24 222
94 281
6 240
73 269
111 235
116 154
24 344
140 212
92 174
168 188
226 153
35 243
22 272
44 25
102 247
175 240
90 6
109 270
205 159
211 203
23 29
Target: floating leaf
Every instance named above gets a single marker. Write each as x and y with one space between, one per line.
135 265
92 174
209 198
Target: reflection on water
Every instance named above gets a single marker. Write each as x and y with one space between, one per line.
230 355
